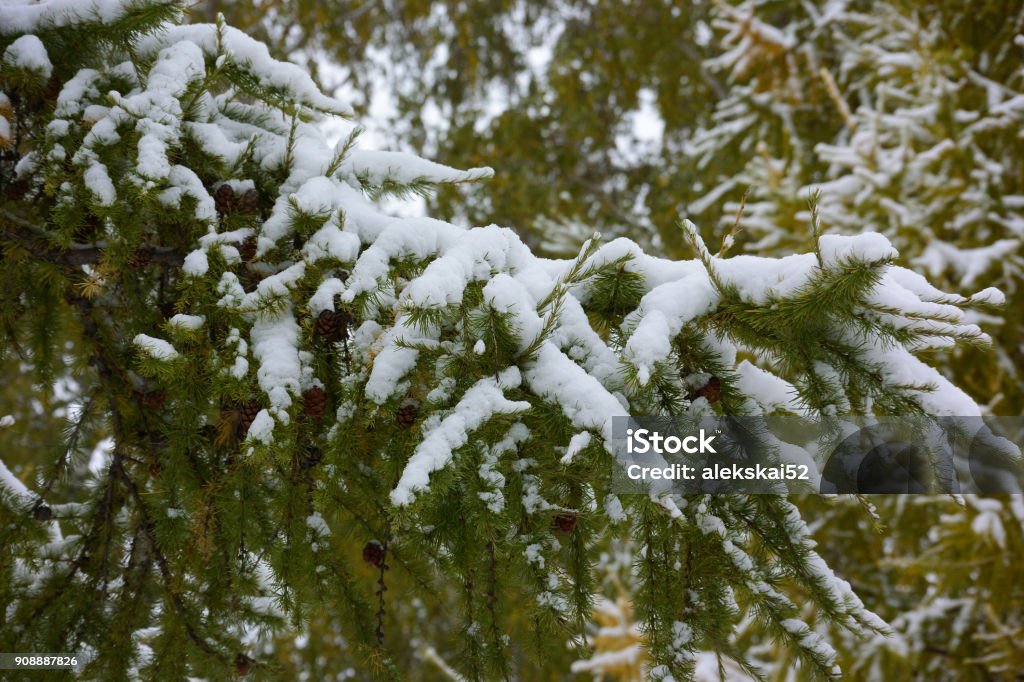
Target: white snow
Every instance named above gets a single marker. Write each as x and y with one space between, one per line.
187 322
26 16
660 317
196 263
28 52
378 166
275 339
581 397
249 55
98 181
478 405
868 247
576 444
155 348
262 428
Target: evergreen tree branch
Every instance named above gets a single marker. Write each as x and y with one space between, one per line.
42 246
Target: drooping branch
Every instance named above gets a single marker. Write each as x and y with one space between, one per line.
42 245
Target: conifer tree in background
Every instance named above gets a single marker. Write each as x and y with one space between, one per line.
945 574
479 80
302 409
906 118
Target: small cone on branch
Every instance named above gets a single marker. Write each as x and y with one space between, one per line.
565 522
224 198
153 400
327 323
16 190
712 390
42 512
247 412
141 256
314 402
373 553
242 665
247 249
332 325
249 202
406 415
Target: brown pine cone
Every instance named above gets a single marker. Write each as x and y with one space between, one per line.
247 412
249 202
565 522
153 400
373 553
314 402
141 256
247 249
712 390
328 325
242 665
406 415
16 190
41 512
224 198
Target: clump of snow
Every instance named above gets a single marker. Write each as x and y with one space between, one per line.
23 16
482 401
262 428
378 166
28 52
613 508
275 341
583 399
990 296
759 279
187 322
155 348
196 264
98 181
576 445
869 247
249 55
661 315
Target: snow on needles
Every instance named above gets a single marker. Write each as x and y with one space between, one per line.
157 349
478 405
27 52
27 16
